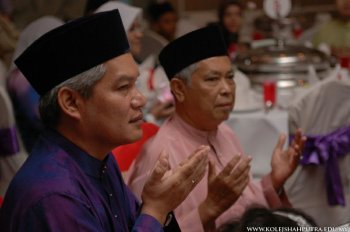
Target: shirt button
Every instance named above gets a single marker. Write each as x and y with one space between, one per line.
110 194
115 215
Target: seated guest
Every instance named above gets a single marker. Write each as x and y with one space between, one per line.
230 20
202 82
90 105
335 32
256 217
162 19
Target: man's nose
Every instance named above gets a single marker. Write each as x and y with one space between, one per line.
138 101
226 87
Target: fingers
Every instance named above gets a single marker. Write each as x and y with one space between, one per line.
240 172
242 181
211 171
244 175
228 168
161 167
237 165
193 168
195 153
297 144
280 142
303 141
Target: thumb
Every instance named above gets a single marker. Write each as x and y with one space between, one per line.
161 167
211 171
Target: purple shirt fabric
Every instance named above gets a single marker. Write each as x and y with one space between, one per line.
62 188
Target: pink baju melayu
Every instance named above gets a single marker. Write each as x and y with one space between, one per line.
180 139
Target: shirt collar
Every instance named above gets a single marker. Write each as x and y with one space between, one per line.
192 130
89 164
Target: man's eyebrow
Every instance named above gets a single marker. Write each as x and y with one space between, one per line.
214 72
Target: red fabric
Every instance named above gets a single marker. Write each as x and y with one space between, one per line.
125 154
1 200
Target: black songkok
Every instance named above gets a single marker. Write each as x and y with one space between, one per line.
73 48
193 47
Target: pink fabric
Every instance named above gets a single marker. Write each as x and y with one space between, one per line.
180 139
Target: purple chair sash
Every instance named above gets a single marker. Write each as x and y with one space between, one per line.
8 141
325 150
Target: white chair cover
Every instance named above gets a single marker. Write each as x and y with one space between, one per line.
323 109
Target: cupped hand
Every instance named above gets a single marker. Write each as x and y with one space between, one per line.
165 189
225 188
284 162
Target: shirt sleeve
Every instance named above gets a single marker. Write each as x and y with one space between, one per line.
274 199
143 222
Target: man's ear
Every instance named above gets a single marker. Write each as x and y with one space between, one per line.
70 101
178 88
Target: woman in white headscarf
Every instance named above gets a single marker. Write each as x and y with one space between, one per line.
25 99
152 82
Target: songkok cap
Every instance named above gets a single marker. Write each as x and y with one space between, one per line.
73 48
192 47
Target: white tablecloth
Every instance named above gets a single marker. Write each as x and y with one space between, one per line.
258 133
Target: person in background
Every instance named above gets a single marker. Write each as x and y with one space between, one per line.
230 20
257 217
153 83
336 32
24 97
162 19
202 81
89 105
162 25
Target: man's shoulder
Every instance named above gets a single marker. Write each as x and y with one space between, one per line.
44 174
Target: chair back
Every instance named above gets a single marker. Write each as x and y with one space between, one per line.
323 113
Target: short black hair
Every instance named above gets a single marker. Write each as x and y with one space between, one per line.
156 9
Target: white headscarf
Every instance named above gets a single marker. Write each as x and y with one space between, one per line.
32 32
128 13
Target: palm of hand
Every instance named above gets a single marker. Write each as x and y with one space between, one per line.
284 162
225 188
